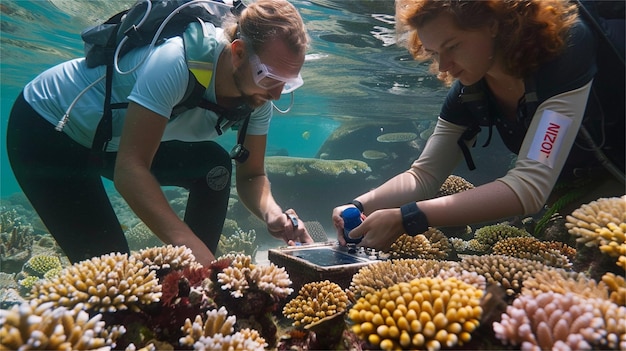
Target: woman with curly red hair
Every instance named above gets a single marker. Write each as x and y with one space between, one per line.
525 68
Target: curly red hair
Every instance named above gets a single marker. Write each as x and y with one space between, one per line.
530 32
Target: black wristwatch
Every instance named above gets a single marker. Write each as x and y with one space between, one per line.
356 204
413 219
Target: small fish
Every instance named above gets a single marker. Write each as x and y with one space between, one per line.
306 135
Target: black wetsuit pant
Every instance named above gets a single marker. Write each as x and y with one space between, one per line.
66 188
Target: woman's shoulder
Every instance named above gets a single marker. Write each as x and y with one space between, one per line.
574 67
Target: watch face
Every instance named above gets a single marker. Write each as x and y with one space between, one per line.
218 178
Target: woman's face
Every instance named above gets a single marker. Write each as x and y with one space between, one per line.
465 55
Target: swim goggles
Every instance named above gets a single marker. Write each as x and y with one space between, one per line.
264 78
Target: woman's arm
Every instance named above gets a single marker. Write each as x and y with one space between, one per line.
140 140
523 190
255 192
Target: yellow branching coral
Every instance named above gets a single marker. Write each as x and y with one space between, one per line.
617 288
106 283
613 243
40 264
454 184
425 313
432 244
602 223
531 248
32 326
407 246
315 301
382 274
166 257
562 321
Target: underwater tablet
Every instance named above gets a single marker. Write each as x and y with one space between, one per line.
325 256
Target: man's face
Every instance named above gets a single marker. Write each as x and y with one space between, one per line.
264 75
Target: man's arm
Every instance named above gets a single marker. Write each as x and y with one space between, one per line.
140 140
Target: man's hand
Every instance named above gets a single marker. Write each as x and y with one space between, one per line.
290 228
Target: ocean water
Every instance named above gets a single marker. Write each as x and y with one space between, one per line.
354 72
355 75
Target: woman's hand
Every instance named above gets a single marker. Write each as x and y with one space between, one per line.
338 222
379 230
290 228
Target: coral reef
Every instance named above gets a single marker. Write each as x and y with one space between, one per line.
523 291
396 137
602 223
292 166
508 272
374 155
35 326
140 237
217 332
242 275
107 283
316 301
532 249
562 321
318 312
452 185
39 265
487 236
240 242
432 244
426 313
382 274
252 292
16 240
617 288
167 257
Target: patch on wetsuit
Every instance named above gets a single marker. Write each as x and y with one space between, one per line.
218 178
549 138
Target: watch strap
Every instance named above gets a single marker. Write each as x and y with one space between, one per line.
414 220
